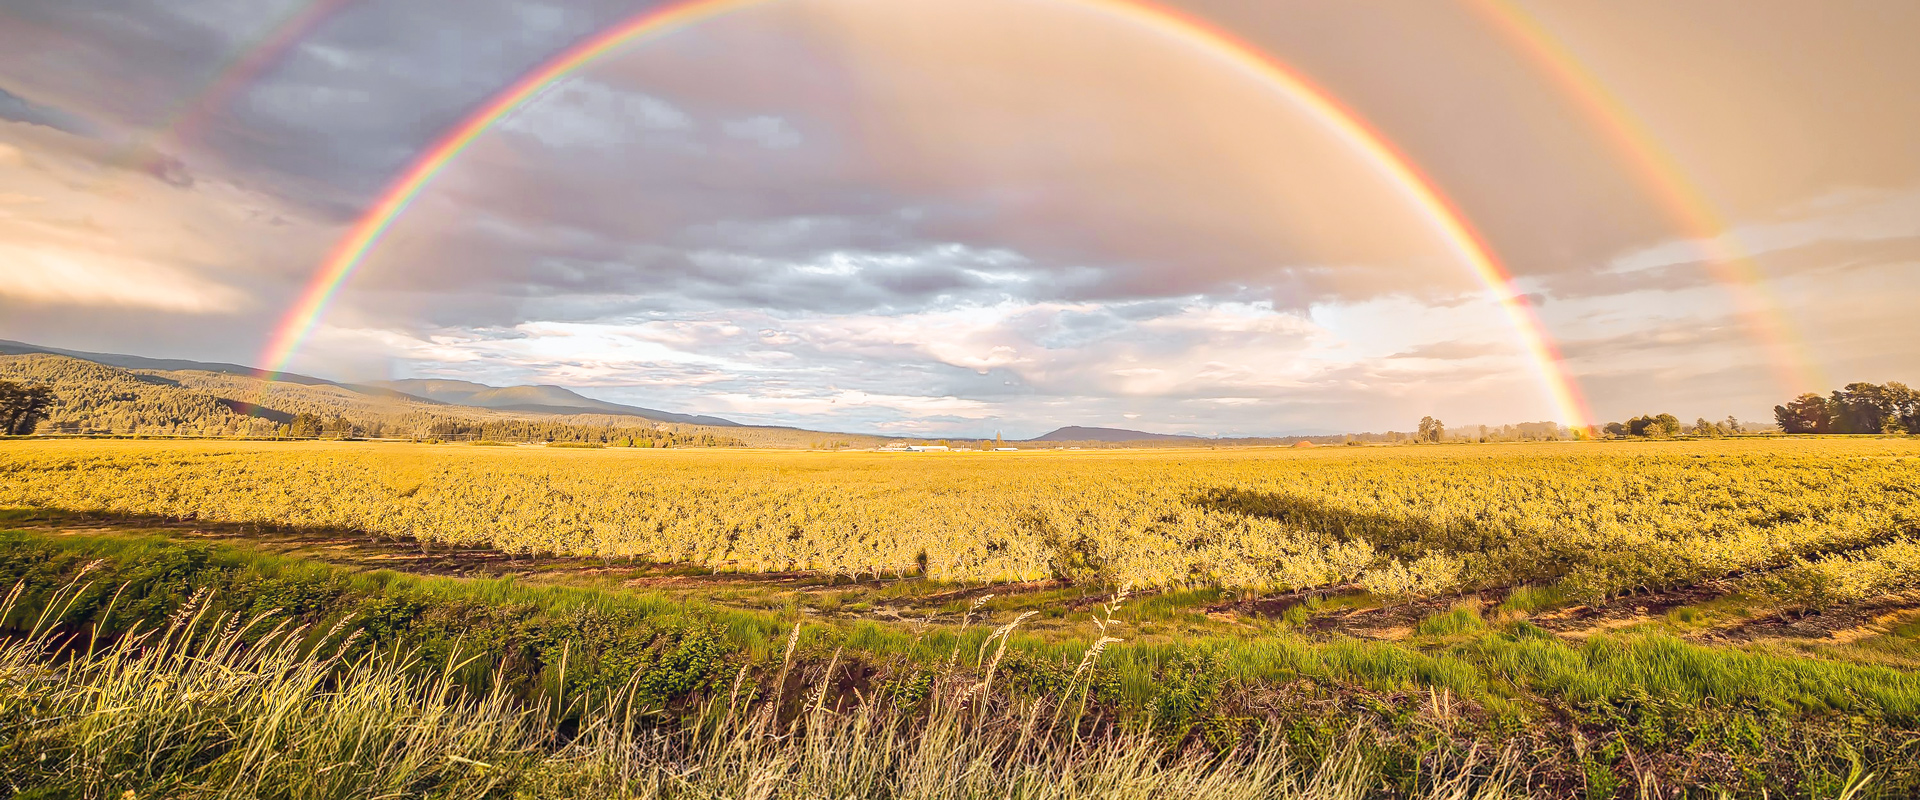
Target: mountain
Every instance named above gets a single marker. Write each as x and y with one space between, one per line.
1076 433
163 395
548 400
540 399
9 347
91 398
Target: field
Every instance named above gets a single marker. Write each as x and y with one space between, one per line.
1578 619
1594 521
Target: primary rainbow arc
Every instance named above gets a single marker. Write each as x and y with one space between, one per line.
1412 183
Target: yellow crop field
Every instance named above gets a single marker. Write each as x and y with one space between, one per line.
1600 519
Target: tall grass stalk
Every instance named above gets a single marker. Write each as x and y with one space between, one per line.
216 706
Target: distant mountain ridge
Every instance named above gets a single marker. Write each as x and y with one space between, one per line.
8 347
241 389
1077 433
535 399
541 399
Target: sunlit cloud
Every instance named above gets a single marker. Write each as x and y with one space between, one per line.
587 113
770 131
91 280
1849 215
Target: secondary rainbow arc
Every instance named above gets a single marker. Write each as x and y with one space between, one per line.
1413 184
1734 270
244 67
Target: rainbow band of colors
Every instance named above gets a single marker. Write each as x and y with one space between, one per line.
1795 369
1420 191
235 75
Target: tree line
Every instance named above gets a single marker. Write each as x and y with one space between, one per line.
1866 408
60 395
1651 426
1433 431
1662 426
160 407
1859 408
315 426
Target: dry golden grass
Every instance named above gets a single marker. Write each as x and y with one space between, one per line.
1598 518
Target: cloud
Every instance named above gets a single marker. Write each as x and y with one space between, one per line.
17 108
168 170
1674 338
1451 351
75 278
1839 230
678 178
1112 200
587 113
770 132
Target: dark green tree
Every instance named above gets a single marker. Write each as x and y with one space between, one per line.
22 406
1862 408
338 428
1905 404
1659 425
1807 414
305 426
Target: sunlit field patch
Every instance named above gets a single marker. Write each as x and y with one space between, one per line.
1573 522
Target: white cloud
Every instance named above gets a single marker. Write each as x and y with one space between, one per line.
587 113
60 276
840 401
303 104
773 133
1854 215
1192 366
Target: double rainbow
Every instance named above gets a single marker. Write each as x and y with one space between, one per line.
1408 179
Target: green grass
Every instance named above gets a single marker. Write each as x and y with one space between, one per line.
539 642
1618 669
162 573
200 710
1462 619
1533 599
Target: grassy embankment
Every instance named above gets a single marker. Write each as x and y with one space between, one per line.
1612 711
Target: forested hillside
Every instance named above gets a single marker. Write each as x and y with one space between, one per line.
91 398
541 399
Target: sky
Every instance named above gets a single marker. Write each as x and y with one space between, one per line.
955 217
